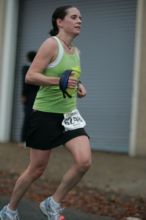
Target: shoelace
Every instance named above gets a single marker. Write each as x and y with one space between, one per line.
54 212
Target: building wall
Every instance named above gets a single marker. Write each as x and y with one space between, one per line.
140 137
141 128
2 7
8 31
108 74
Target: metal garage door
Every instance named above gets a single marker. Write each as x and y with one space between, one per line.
107 51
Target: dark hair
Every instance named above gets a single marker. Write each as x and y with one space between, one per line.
31 55
59 12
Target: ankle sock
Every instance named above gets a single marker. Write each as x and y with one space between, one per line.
12 212
55 204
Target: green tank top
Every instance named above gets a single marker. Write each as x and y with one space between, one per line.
50 98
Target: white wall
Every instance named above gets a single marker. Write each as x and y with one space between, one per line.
7 67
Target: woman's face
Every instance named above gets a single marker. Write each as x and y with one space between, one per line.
71 23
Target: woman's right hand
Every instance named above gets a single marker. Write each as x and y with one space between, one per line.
72 82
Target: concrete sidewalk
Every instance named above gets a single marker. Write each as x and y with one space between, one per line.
29 210
109 171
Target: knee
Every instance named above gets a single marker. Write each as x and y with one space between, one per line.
84 165
36 172
39 172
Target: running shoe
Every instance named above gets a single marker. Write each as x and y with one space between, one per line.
5 215
51 211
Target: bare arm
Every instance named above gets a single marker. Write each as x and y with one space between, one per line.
46 54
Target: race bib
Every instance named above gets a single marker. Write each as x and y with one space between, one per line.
73 120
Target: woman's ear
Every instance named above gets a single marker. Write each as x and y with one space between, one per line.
59 22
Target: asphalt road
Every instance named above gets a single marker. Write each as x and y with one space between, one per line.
29 210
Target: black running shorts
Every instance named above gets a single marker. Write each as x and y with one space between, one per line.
45 131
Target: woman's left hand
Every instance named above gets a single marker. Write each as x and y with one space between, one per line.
81 91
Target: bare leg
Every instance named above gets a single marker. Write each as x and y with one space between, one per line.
38 162
81 151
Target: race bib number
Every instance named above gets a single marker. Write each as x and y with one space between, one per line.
73 120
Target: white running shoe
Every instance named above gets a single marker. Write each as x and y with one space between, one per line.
5 215
51 211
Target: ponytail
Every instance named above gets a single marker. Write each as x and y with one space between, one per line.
60 12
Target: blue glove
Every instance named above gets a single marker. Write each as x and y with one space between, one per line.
63 83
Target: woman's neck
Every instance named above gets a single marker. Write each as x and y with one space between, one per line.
67 42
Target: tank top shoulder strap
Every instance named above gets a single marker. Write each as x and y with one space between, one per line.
60 53
77 52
